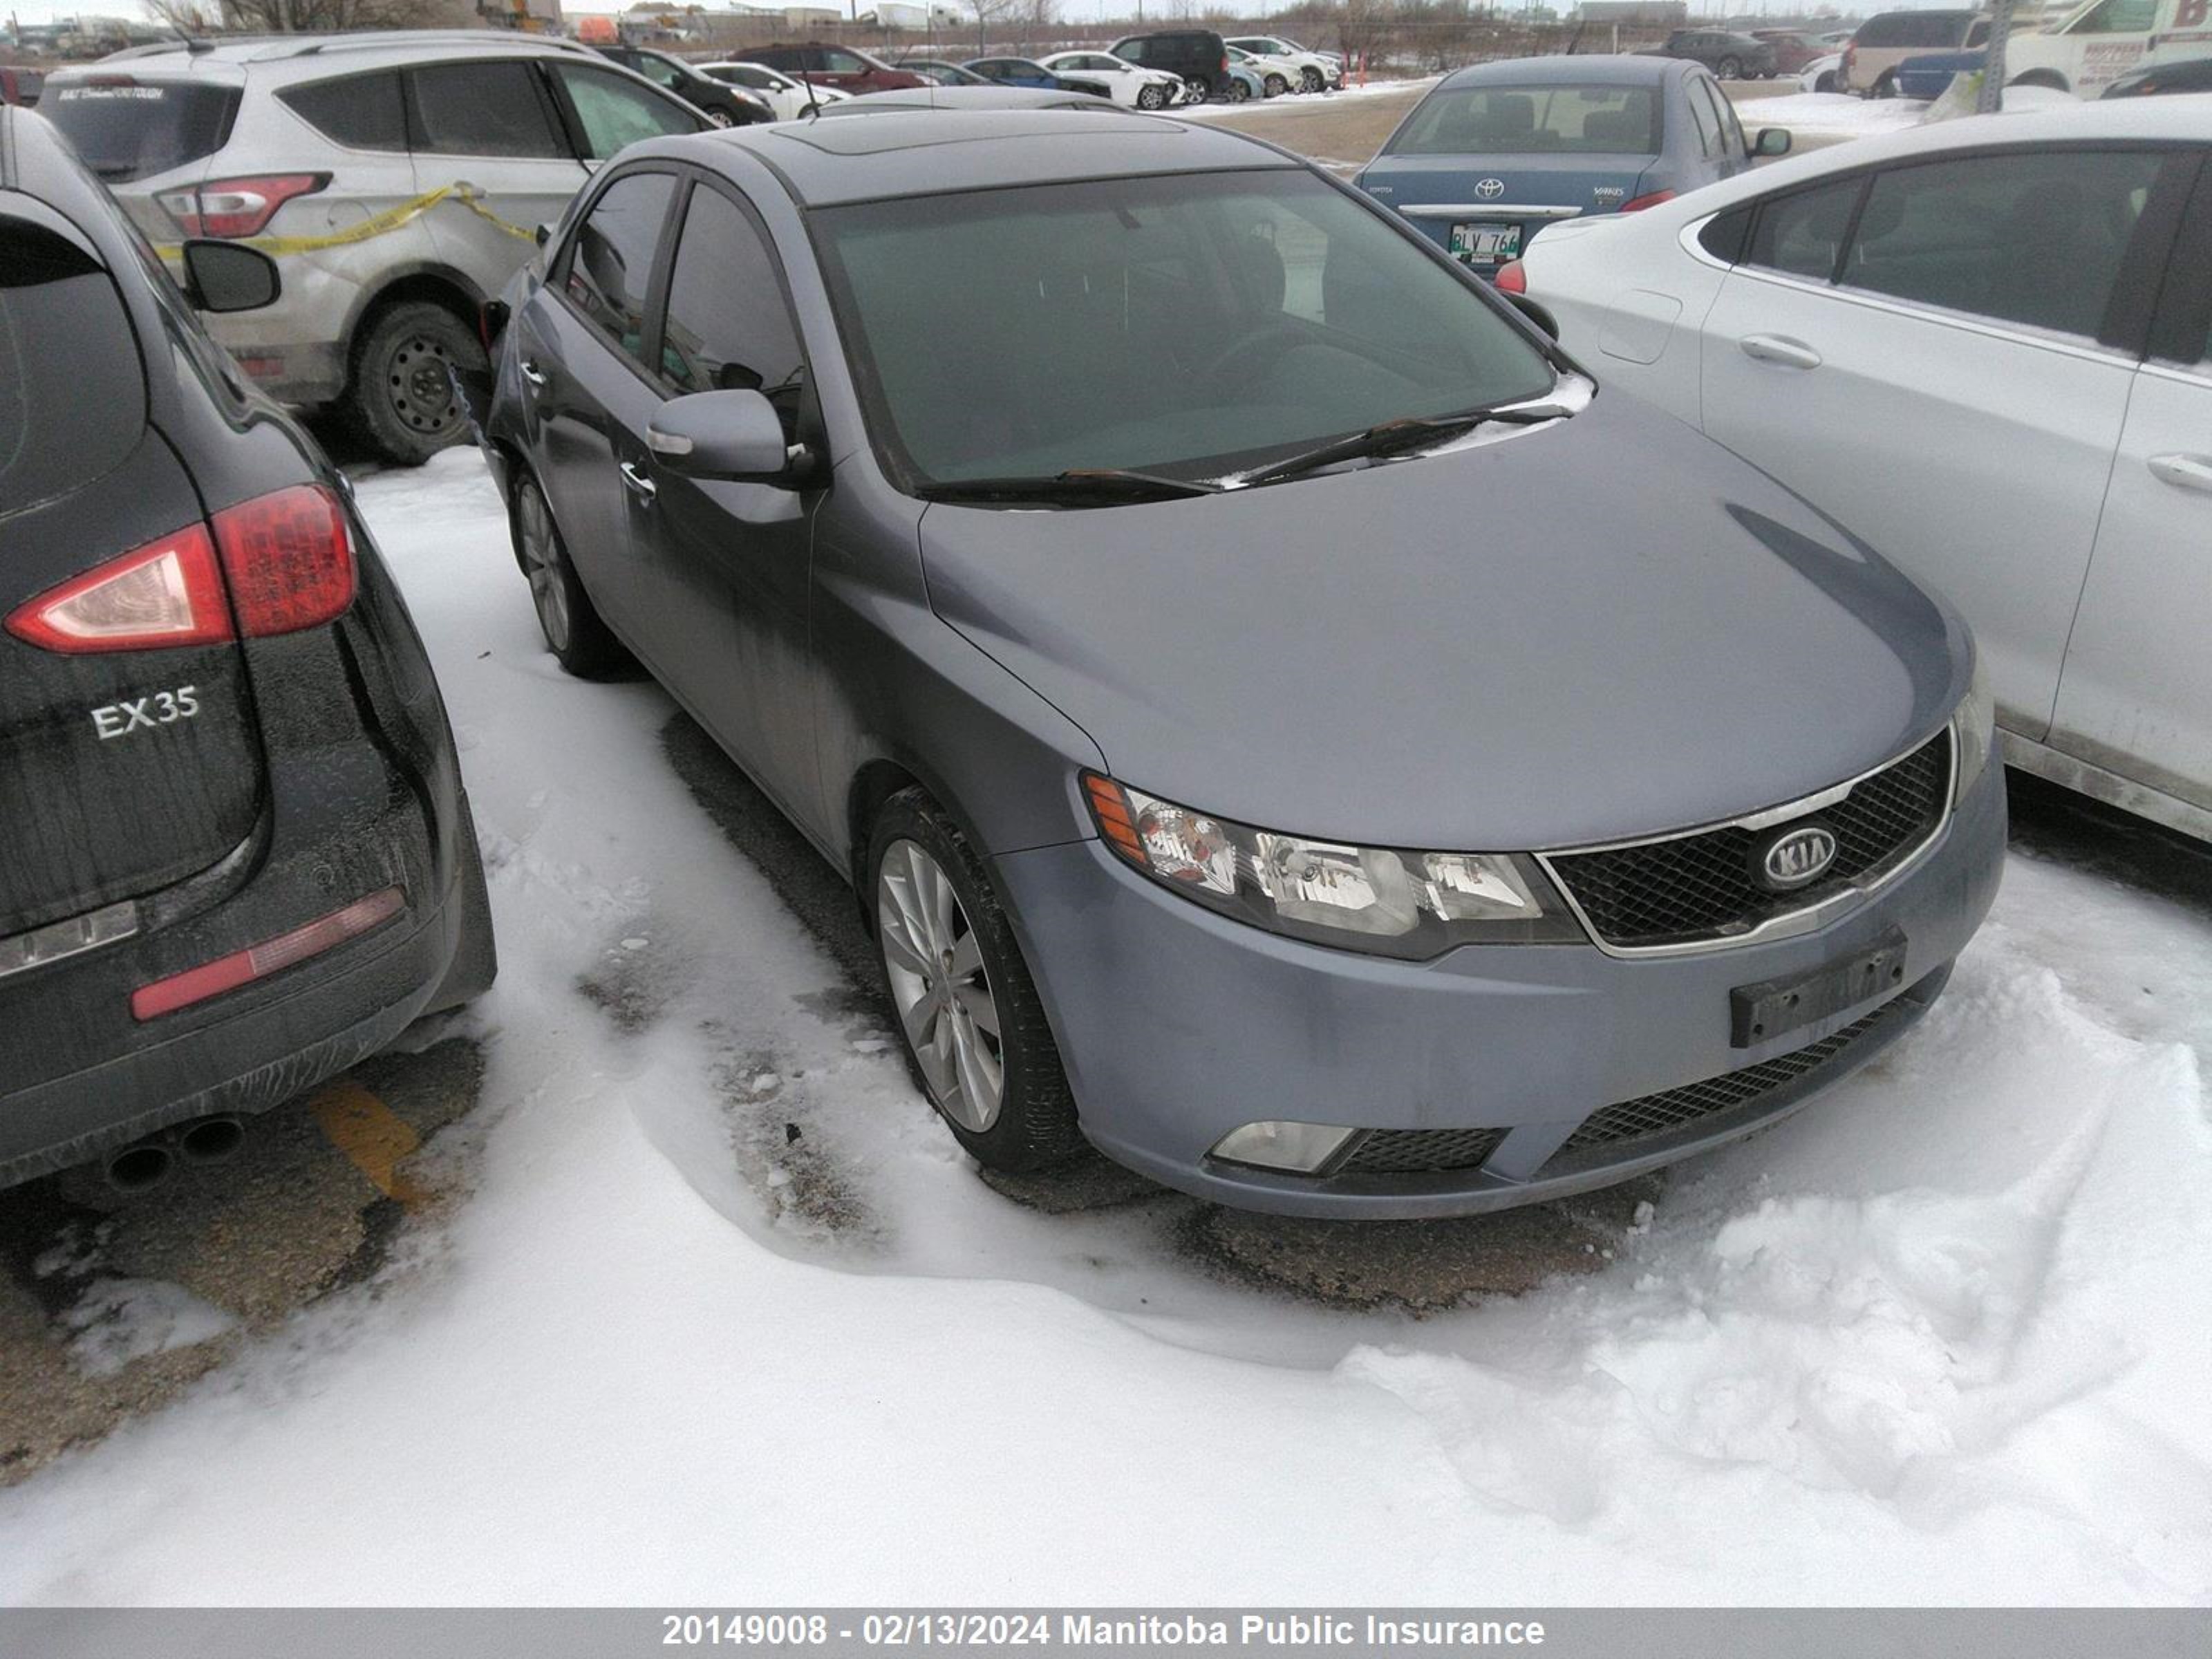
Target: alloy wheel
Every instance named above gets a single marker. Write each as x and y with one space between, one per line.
935 965
541 563
719 118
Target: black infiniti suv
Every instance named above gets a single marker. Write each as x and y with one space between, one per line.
235 853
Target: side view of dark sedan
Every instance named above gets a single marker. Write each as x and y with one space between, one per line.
1236 659
1026 72
1731 55
235 854
1495 152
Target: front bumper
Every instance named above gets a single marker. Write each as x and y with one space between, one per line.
1176 1025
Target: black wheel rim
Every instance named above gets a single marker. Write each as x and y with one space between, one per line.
418 383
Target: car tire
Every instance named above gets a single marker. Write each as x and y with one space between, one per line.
1826 82
400 397
1239 92
577 634
944 966
719 118
1885 88
1729 68
1275 85
1194 93
1152 97
1312 80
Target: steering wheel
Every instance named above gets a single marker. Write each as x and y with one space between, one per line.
1246 352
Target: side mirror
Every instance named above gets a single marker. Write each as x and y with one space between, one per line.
735 436
543 234
1530 309
1771 141
227 276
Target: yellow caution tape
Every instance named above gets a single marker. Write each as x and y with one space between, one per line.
379 224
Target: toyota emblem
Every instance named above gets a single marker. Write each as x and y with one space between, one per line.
1491 189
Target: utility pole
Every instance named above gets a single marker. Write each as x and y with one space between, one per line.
1993 60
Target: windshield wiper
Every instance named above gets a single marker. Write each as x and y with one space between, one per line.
1392 437
1104 485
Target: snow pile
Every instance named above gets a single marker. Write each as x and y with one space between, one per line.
1831 114
728 1316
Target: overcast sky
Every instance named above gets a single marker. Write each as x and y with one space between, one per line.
41 11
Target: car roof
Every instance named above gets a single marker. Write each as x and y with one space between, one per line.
913 99
1597 68
367 50
924 151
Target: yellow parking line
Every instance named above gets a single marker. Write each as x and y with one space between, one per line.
367 1132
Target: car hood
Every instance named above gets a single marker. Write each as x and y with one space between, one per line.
1598 629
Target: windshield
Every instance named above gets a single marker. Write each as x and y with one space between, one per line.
1593 120
1186 324
125 130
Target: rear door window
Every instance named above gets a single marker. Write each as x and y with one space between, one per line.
362 112
125 130
72 394
608 270
2033 237
482 109
1803 235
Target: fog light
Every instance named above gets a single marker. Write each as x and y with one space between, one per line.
1301 1147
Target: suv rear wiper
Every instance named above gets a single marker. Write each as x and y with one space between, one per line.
1392 437
1099 484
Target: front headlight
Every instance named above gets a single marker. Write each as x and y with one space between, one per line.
1412 905
1976 724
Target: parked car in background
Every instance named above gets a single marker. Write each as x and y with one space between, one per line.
1822 74
1793 49
1125 82
2188 74
236 851
1495 152
723 104
1984 344
788 99
2086 50
1929 76
915 545
941 73
847 68
456 145
1027 72
1276 74
20 86
1315 73
1245 80
1732 57
1199 58
1885 40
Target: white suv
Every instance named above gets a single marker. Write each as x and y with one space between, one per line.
1315 72
398 179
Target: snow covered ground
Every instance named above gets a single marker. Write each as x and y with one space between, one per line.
1940 1338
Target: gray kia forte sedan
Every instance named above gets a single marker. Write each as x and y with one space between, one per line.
1287 724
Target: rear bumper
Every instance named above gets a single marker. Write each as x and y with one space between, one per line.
244 1060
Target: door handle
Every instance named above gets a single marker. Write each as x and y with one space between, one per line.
1775 349
2184 471
640 486
532 373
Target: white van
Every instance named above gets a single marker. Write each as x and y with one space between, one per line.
2103 40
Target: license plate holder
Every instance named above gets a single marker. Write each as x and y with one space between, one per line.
1775 1007
1486 242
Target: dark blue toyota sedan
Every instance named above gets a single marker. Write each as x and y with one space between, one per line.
1497 152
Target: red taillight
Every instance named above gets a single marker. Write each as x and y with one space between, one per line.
1512 277
288 560
237 207
210 978
167 592
285 558
1650 201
